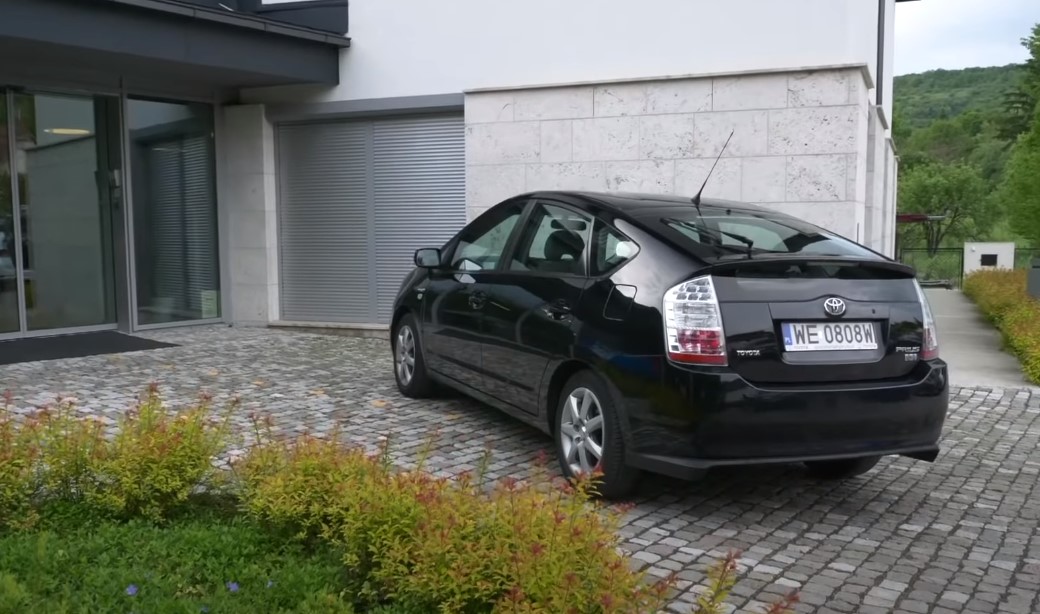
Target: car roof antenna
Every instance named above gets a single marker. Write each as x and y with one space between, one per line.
697 197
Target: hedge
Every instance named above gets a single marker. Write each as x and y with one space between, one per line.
1002 298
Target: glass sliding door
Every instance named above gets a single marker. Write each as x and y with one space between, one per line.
9 240
176 259
67 169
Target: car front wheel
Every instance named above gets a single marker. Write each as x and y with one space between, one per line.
409 368
588 436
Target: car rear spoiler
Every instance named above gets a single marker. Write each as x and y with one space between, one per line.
736 263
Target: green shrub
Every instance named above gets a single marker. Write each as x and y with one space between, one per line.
722 577
448 545
158 458
19 461
150 466
1002 298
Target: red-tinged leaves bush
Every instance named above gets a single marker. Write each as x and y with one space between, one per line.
722 577
151 464
447 544
158 458
19 460
1002 298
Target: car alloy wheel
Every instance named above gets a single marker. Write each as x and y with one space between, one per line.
405 355
588 436
581 431
409 368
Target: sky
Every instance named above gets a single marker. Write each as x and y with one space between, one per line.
961 33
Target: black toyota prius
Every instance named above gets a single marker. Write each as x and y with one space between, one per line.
671 335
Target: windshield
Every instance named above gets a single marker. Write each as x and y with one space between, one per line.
754 232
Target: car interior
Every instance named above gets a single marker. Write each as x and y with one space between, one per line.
556 247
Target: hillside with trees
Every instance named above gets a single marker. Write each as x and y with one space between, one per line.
937 94
969 148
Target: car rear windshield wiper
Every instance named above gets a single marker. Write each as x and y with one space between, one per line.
718 234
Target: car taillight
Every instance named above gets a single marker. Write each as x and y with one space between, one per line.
930 342
693 323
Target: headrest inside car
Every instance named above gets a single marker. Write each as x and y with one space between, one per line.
572 225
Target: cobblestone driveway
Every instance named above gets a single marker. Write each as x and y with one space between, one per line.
959 535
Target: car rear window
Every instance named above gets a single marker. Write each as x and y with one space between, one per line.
732 230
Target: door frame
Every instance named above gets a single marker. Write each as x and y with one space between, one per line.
8 95
133 316
120 202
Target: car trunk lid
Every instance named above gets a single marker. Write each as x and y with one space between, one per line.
794 319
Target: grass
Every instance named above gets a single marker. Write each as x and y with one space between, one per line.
203 562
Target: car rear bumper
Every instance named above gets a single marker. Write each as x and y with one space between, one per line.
713 418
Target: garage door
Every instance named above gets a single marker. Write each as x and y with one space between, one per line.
356 199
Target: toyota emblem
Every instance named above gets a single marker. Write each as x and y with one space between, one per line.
834 306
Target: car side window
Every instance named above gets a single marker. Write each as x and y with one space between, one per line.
480 247
610 249
553 241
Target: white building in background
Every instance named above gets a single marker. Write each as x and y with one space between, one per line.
278 162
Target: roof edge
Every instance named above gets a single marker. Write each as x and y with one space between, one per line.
863 67
237 19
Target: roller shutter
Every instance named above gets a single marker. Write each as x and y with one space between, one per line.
182 218
356 198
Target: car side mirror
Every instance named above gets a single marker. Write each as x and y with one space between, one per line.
428 258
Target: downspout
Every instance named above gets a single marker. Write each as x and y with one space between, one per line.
880 80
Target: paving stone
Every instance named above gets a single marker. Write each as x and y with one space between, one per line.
910 605
955 597
955 536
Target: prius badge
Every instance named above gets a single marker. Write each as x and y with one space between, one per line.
834 306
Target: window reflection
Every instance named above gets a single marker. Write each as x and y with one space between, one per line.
174 210
65 164
8 273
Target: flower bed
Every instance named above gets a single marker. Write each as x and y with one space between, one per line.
1002 298
140 514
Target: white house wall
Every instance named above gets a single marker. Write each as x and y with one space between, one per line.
876 187
419 47
248 207
799 141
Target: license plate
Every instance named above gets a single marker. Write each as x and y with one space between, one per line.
828 336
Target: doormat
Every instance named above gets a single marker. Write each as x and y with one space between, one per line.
75 345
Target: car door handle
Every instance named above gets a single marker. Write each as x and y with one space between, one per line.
558 309
477 300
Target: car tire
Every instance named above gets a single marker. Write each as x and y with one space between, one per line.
841 469
599 426
413 381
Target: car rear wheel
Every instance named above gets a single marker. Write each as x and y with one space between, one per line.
841 469
588 436
409 369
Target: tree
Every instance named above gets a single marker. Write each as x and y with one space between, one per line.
946 140
1020 191
1020 102
957 191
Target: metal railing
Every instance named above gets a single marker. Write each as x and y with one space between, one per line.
945 267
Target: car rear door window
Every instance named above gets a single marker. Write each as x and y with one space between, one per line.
554 240
610 249
480 247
